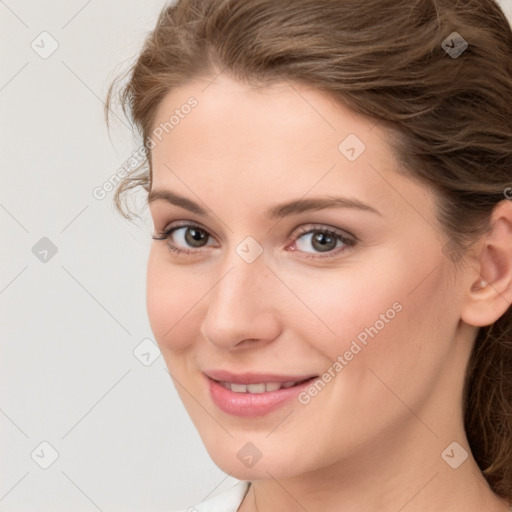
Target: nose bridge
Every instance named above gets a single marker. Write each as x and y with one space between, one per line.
240 305
241 288
245 265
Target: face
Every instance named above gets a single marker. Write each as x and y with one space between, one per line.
293 253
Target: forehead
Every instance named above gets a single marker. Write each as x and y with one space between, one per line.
244 117
273 141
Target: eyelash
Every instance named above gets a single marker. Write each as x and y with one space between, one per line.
348 242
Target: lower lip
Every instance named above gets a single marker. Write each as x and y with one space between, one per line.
252 404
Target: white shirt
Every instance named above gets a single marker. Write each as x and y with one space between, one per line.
228 501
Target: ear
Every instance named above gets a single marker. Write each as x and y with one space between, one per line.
489 283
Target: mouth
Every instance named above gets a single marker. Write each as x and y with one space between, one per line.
251 394
263 387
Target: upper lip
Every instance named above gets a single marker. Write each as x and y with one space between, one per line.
254 378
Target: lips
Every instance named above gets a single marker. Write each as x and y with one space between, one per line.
253 394
255 378
257 388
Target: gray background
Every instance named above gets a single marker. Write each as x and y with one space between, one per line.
79 368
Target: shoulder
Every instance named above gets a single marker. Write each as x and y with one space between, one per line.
227 501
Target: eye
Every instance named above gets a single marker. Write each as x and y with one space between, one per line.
321 240
187 238
317 241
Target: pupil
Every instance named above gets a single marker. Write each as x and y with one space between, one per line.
195 237
326 242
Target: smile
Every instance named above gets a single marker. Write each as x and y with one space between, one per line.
251 395
258 388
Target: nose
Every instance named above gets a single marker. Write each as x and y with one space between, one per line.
241 306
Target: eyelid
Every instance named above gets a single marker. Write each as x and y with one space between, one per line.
347 238
308 228
297 232
165 234
184 223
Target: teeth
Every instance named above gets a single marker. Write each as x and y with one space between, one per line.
257 388
239 388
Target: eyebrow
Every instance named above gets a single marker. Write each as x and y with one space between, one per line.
276 212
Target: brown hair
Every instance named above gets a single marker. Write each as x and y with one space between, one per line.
450 117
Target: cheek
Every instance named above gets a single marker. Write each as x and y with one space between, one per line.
352 304
394 320
403 361
394 338
172 300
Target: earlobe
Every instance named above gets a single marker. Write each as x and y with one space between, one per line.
480 285
490 290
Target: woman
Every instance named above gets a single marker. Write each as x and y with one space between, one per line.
330 281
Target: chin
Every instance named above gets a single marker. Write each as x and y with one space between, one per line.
242 459
262 470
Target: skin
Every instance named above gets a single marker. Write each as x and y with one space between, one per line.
372 439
